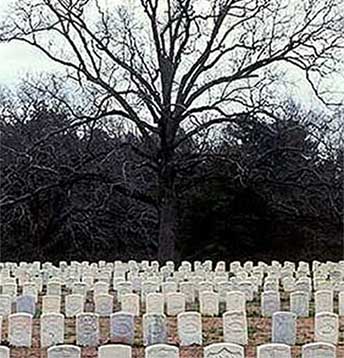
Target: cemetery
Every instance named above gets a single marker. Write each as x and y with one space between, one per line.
192 309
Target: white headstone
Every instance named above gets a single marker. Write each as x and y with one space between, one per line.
270 303
247 288
169 287
64 351
51 304
155 303
52 329
87 329
223 288
123 288
235 301
26 304
130 303
30 288
161 351
273 350
5 305
223 350
299 303
326 327
122 328
10 289
209 303
154 329
190 328
100 288
74 304
235 327
4 352
189 291
103 304
114 351
318 350
80 288
20 329
284 328
323 301
175 303
54 288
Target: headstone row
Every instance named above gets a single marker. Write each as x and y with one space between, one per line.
215 350
189 324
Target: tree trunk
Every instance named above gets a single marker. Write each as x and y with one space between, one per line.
167 217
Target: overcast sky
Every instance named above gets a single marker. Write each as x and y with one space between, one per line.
17 60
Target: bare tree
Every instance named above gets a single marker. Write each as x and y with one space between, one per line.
175 68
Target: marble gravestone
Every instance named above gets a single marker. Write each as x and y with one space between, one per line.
64 351
5 305
26 304
4 352
81 288
299 303
235 327
270 303
189 328
51 304
326 327
155 303
223 350
122 328
20 329
188 289
100 288
74 304
247 288
52 329
130 303
103 305
161 351
123 288
209 303
168 287
318 350
54 288
154 329
273 350
323 301
10 289
175 303
235 301
87 329
284 328
114 351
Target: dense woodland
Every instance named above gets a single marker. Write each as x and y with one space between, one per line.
168 131
262 189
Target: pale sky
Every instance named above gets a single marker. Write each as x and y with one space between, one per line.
17 60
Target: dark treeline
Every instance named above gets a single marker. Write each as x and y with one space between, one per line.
261 189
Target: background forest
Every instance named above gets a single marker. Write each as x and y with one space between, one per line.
260 190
